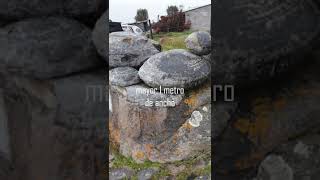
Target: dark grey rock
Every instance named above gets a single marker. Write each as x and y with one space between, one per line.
128 49
81 9
43 48
255 41
199 42
274 168
174 68
120 174
146 174
123 76
100 35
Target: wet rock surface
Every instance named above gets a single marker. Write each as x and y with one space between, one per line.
128 49
174 68
199 43
123 76
43 48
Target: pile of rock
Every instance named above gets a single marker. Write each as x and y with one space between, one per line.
52 89
141 73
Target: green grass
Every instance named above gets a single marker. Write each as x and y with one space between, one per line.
172 40
121 161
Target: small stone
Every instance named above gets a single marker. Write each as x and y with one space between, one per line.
121 173
123 76
175 68
203 178
146 174
301 149
128 49
199 43
273 167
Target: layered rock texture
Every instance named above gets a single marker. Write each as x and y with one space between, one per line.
53 96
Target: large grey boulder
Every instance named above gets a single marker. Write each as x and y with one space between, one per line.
17 10
43 48
199 42
128 49
100 35
255 41
175 68
123 76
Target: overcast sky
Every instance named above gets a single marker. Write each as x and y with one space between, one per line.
125 10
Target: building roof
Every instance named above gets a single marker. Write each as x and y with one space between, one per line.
197 7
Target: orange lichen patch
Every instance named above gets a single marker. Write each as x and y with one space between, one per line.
174 138
114 134
257 129
127 40
249 161
192 99
139 155
148 148
187 126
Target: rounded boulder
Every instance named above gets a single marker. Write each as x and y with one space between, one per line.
199 43
123 76
175 68
128 49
